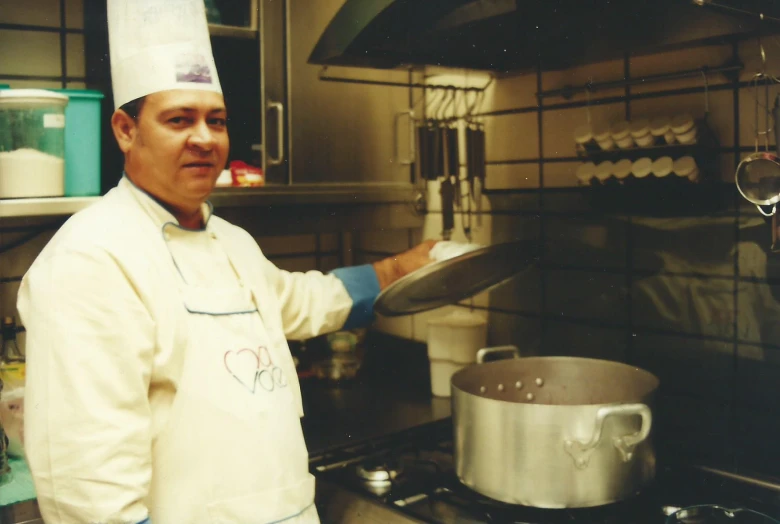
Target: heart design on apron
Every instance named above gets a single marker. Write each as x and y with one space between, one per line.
249 367
244 365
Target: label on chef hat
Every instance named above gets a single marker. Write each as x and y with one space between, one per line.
158 45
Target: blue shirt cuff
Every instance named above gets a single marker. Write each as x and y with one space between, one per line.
147 520
363 287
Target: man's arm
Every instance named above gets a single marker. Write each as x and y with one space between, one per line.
89 345
313 303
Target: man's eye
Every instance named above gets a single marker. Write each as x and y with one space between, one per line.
178 120
221 122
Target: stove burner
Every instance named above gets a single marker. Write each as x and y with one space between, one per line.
379 470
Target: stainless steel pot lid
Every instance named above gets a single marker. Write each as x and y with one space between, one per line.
458 278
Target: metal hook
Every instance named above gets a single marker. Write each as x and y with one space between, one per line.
470 108
434 104
449 103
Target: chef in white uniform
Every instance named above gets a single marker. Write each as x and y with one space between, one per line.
160 386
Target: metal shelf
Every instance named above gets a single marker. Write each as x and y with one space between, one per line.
234 197
53 206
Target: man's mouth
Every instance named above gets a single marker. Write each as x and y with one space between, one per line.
199 164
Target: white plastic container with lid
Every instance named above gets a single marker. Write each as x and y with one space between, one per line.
661 167
453 342
642 167
32 143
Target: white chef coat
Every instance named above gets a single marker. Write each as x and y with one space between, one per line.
159 380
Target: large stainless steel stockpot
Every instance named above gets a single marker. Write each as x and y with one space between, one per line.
553 432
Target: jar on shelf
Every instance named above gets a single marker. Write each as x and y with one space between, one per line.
32 143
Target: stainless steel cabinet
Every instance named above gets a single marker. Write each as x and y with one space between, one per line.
303 130
341 132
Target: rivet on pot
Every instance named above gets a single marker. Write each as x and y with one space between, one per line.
482 389
501 387
519 385
539 382
530 396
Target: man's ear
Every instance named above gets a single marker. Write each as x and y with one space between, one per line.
124 128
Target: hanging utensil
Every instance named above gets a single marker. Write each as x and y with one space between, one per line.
480 168
448 213
758 175
453 148
434 149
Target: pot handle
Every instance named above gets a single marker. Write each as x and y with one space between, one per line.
581 451
482 353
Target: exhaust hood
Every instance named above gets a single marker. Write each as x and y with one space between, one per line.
517 35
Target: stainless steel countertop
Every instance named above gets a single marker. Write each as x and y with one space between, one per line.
392 392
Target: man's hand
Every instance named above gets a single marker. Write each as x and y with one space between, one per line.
390 269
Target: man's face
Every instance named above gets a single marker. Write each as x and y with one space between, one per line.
178 146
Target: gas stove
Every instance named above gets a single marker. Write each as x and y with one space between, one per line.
408 477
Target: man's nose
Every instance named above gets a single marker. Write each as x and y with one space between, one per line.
202 136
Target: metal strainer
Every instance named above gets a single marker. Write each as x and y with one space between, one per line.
758 175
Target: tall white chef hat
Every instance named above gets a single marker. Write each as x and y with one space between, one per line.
158 45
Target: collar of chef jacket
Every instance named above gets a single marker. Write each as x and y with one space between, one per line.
159 214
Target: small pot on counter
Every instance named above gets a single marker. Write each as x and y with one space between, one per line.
343 359
553 432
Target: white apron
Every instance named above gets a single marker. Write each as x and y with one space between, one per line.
234 411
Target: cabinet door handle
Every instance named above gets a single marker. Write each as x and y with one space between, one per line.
412 136
279 108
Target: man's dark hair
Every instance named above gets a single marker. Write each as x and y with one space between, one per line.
133 107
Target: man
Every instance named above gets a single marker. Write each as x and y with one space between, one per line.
160 387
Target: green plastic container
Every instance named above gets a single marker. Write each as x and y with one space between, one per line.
82 142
